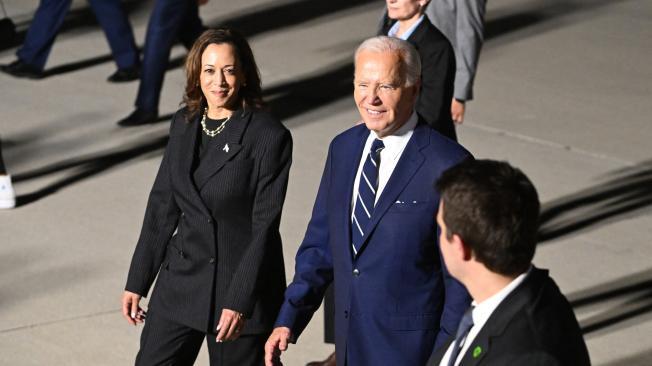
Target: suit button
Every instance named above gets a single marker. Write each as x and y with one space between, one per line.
211 261
356 272
208 220
346 314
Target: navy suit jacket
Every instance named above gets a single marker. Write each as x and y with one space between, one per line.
395 299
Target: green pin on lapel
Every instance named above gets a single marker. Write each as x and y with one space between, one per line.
477 351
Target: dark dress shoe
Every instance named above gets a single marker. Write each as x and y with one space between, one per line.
21 69
123 75
329 361
139 117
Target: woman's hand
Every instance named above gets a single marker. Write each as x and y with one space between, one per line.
230 325
130 308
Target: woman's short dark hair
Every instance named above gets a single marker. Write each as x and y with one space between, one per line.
250 93
494 208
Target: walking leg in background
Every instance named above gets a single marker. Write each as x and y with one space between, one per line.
46 24
117 29
34 52
170 20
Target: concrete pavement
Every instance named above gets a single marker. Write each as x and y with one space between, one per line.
563 91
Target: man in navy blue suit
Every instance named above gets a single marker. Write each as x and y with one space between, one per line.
171 20
372 231
47 22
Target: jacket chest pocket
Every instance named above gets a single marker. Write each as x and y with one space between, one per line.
403 206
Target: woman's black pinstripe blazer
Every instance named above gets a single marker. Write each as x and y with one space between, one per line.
212 234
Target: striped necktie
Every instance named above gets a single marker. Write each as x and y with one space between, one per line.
460 338
366 196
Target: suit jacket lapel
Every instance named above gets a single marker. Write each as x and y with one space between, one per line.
476 351
345 174
216 157
187 148
435 358
188 142
501 317
407 166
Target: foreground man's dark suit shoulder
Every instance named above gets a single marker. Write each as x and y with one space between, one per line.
226 251
534 325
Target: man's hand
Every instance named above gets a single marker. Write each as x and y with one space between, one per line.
457 111
277 343
130 308
230 325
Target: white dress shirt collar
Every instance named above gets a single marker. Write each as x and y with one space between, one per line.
481 313
483 310
395 143
394 29
389 156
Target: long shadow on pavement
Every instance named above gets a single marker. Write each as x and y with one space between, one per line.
264 19
542 17
634 293
84 167
627 190
293 98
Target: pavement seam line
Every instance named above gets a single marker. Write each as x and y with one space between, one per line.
51 322
548 143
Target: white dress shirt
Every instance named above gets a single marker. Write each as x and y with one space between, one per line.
389 156
481 313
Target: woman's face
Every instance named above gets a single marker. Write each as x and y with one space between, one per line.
221 76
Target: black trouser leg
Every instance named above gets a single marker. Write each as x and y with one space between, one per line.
164 342
248 350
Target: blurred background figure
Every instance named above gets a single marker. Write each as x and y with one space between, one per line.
7 195
406 20
46 24
462 22
171 20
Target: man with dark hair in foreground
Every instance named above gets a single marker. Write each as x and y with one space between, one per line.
488 217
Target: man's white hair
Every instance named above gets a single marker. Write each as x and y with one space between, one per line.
409 56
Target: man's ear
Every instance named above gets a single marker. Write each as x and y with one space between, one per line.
461 248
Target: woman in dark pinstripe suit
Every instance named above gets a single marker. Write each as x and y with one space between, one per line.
211 227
